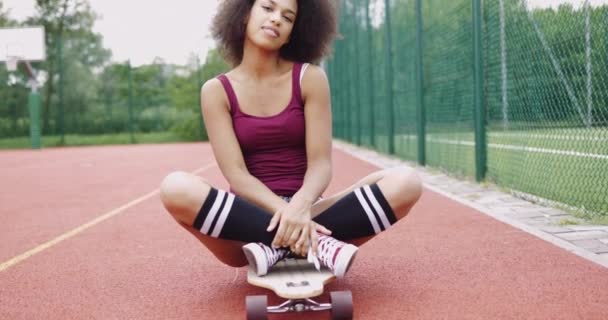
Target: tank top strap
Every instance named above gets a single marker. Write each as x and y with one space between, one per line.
295 80
234 104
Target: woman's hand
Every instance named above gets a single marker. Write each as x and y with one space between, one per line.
292 221
295 227
309 240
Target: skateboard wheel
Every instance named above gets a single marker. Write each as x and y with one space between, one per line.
341 305
257 307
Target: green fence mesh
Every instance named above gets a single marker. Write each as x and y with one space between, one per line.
545 91
547 100
125 104
448 61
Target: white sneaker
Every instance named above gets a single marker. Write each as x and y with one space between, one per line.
336 255
262 257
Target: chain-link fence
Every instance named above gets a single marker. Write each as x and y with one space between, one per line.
118 103
512 91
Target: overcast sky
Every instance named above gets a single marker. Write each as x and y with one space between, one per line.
171 29
143 29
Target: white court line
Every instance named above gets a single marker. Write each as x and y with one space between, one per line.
524 135
81 228
525 148
546 136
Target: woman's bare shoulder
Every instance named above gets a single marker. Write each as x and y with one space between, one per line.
213 94
314 74
314 80
212 86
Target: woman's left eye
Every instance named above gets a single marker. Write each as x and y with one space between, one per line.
287 18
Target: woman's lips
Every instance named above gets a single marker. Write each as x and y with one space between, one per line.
271 32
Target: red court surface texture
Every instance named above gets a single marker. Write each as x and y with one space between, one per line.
84 236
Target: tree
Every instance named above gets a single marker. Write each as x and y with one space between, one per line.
12 98
184 92
4 18
68 24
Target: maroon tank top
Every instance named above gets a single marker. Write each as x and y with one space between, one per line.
274 147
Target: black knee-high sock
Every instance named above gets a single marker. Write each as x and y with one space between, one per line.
227 216
363 212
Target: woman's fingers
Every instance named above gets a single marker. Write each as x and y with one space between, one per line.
274 221
291 227
294 236
277 242
322 229
302 243
314 241
289 231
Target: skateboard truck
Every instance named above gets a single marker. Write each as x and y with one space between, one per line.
299 305
340 306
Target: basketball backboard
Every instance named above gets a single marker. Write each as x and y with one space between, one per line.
26 44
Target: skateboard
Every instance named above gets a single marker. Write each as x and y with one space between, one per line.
298 281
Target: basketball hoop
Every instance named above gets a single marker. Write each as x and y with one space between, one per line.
11 63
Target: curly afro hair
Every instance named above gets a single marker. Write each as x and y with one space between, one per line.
311 39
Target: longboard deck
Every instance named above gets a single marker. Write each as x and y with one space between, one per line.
293 279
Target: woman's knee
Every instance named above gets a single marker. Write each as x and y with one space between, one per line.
403 183
181 191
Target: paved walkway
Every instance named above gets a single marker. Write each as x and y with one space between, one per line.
550 224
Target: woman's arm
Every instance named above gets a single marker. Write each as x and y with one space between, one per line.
296 229
317 110
227 152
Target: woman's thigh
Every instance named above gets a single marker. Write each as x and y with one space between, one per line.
326 203
229 252
401 187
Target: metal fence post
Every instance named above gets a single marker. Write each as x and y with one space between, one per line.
389 78
34 110
348 83
61 82
479 114
198 88
130 101
370 86
357 81
420 112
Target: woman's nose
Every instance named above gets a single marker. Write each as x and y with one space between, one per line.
275 17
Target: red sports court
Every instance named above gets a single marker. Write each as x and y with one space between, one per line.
85 237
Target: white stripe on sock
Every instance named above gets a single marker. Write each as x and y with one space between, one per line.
214 209
376 205
368 211
223 216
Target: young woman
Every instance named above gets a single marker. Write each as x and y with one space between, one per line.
269 124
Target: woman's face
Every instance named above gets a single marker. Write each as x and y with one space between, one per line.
270 22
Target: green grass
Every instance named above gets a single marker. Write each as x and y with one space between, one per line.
88 140
567 166
595 219
591 141
568 222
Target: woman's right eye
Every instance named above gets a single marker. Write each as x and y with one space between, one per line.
267 8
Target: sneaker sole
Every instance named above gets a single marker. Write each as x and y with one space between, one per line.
345 259
254 253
